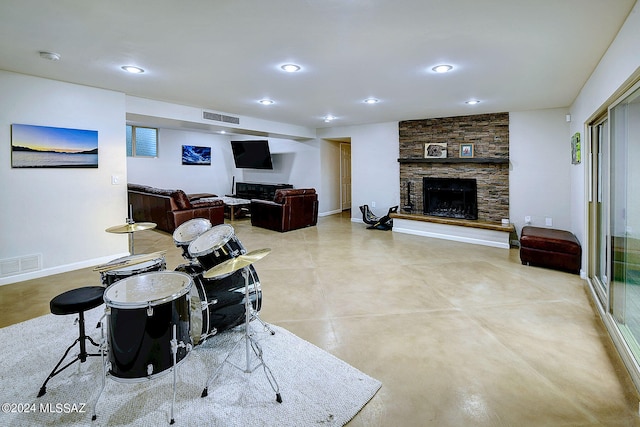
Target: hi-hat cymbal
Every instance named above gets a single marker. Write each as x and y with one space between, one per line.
130 228
234 264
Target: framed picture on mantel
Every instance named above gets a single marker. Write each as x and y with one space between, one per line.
466 151
435 150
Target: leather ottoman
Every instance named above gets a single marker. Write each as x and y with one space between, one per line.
546 247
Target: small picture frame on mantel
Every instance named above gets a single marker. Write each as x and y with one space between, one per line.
435 150
467 151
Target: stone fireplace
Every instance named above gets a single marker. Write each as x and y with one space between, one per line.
489 166
450 197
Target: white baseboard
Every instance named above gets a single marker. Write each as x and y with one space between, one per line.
60 269
477 236
337 211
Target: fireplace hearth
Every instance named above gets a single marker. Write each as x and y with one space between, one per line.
450 197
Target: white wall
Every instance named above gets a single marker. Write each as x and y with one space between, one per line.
61 214
540 168
539 180
167 171
294 162
619 63
375 171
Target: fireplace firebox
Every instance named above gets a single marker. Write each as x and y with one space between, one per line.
450 197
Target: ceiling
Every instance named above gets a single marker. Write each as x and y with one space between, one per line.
225 55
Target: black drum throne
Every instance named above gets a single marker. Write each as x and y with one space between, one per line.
72 302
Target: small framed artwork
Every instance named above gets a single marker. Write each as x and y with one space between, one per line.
467 150
575 149
435 150
192 155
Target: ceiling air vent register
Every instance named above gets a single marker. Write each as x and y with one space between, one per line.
208 115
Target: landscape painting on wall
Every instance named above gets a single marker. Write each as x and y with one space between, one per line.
192 155
49 147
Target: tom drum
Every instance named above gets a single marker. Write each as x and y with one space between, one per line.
216 245
130 268
187 232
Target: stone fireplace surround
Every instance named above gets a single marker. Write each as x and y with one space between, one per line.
489 167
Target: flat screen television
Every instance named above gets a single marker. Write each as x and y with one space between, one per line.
252 154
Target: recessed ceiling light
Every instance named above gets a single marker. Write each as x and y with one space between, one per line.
371 101
290 68
132 69
266 101
329 118
472 102
51 56
443 68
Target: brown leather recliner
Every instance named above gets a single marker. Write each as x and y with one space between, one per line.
290 209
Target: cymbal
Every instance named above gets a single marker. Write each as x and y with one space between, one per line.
234 264
130 228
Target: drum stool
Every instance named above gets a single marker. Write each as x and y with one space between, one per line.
70 302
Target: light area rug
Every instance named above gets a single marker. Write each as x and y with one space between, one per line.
317 388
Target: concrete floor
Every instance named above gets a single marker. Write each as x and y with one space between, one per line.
459 334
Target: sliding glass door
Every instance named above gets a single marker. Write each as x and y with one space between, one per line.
598 217
624 217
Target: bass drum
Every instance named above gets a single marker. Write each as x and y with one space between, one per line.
144 313
218 304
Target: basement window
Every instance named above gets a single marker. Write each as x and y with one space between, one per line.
142 141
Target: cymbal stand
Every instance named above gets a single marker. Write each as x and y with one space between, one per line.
255 315
250 344
103 349
130 221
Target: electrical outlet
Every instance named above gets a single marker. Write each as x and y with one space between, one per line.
373 204
527 219
548 222
115 179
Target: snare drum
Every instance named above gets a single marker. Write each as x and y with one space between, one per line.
218 304
215 246
187 233
141 314
111 276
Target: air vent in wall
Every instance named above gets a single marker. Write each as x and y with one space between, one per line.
220 117
11 266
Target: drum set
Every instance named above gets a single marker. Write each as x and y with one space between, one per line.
154 317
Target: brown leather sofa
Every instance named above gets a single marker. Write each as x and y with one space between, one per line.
546 247
290 209
170 208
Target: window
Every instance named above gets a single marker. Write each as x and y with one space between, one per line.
142 142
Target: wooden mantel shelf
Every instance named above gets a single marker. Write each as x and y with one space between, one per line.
485 225
456 160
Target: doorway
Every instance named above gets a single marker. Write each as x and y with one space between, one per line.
345 176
